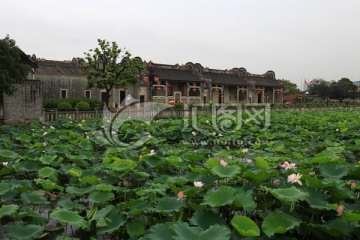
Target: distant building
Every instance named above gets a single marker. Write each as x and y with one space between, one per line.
357 83
189 83
26 102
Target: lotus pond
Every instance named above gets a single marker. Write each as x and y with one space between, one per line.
297 179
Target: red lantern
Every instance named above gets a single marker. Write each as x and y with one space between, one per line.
156 79
158 88
215 90
258 91
194 90
277 92
171 102
145 79
243 90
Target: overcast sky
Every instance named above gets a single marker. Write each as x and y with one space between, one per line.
298 39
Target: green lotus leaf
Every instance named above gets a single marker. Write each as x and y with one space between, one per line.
260 175
330 154
228 171
261 163
75 172
114 222
168 204
123 165
291 194
161 231
89 179
102 213
48 172
333 170
317 199
68 217
206 218
48 185
35 197
245 200
70 205
245 226
224 195
79 191
4 188
27 166
336 228
47 159
351 217
100 196
212 162
24 232
216 232
8 154
7 210
278 222
136 228
104 187
24 138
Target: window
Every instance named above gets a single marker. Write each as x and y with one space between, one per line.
104 96
122 96
87 93
63 93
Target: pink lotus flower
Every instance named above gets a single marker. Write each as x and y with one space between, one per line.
295 178
249 160
287 165
181 195
353 185
340 209
223 163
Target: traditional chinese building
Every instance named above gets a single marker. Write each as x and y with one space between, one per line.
190 83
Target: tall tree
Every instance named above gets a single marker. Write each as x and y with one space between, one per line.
342 89
13 65
109 66
289 87
319 87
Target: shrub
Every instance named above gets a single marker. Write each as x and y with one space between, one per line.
51 103
83 106
64 106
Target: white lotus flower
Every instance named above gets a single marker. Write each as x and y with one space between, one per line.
45 133
5 163
198 184
193 133
152 152
245 150
295 178
51 127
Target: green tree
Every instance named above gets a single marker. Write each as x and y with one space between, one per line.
342 89
109 66
319 87
289 87
13 65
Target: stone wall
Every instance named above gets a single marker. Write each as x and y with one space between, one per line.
25 104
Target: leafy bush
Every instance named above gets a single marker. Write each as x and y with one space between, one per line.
83 106
51 103
65 106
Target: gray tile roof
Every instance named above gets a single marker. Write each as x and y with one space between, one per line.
226 79
175 75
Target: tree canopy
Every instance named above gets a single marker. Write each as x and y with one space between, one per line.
289 87
109 66
340 89
12 65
